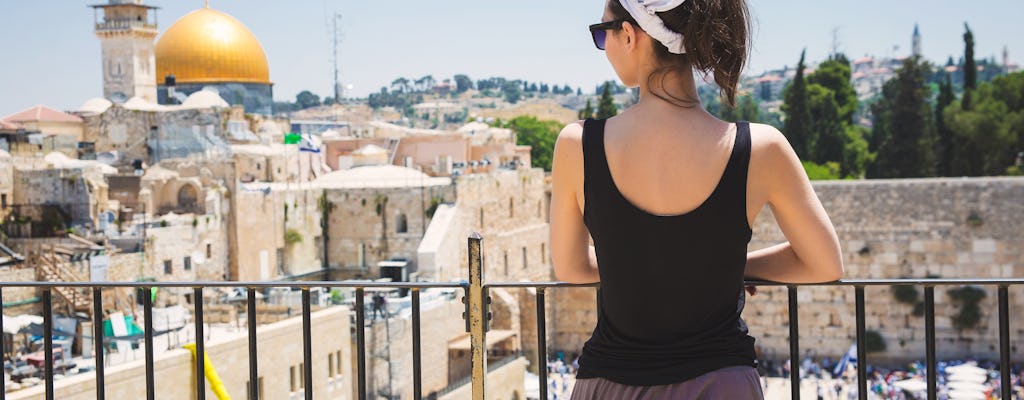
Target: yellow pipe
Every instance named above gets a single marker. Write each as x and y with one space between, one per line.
211 375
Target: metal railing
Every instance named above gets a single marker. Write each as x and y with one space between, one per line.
477 316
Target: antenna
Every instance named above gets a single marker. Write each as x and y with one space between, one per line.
835 42
336 38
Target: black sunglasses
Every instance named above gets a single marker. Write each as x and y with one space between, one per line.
600 31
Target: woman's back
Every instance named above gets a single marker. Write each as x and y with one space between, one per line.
672 285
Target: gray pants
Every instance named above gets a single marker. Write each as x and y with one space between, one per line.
733 383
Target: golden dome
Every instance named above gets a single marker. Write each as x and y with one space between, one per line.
209 46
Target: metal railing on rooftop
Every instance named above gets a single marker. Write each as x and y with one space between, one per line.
477 316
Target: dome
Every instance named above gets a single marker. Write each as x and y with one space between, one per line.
380 177
204 99
209 46
96 105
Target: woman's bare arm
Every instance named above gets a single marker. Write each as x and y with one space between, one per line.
812 253
572 256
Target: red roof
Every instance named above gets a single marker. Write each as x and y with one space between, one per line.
42 113
8 125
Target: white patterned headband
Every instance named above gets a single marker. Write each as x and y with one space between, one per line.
643 11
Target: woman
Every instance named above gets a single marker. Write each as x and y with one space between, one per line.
668 193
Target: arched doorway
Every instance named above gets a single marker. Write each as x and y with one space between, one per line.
187 198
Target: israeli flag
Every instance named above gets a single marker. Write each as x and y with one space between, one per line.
849 358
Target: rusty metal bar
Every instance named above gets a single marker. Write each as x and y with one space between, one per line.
477 315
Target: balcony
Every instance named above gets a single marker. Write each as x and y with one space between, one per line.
477 316
117 25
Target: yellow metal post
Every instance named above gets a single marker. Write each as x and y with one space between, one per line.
477 315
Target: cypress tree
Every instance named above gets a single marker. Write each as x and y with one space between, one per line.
587 112
907 151
970 69
944 150
798 118
606 107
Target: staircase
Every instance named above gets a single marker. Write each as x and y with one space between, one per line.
52 267
392 148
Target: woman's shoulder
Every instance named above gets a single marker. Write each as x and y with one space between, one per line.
768 144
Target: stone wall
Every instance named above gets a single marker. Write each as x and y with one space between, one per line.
265 215
505 382
950 228
280 355
195 246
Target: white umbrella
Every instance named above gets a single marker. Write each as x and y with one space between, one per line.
16 323
966 395
912 385
966 369
968 386
967 377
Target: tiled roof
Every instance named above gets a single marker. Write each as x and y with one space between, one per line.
42 113
8 125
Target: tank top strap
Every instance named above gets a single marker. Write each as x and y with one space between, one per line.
596 175
734 181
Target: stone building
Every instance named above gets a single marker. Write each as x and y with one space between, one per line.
55 193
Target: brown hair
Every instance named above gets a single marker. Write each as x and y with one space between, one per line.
716 34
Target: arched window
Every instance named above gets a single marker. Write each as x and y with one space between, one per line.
187 198
511 208
401 223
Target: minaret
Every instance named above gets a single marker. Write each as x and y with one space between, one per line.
917 42
126 34
1006 57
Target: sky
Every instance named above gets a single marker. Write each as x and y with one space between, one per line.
50 55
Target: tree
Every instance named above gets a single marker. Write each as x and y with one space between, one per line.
587 112
988 137
944 148
906 147
606 106
826 123
462 83
797 124
540 135
970 69
306 99
746 110
513 91
400 85
835 75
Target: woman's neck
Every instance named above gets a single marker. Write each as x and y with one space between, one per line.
672 89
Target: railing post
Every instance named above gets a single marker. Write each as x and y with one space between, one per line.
862 351
147 312
477 315
929 339
250 316
542 348
794 345
417 374
1004 343
97 339
48 341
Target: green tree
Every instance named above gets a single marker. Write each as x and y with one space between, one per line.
462 83
826 124
944 148
835 75
512 90
540 135
746 110
606 106
856 156
306 99
988 137
906 147
797 125
586 112
970 69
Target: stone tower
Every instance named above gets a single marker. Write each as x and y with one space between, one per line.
129 63
916 42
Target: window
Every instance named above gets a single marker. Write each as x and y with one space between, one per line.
293 374
188 263
540 209
401 223
337 360
481 218
506 263
511 208
209 250
543 253
167 267
524 257
330 365
3 200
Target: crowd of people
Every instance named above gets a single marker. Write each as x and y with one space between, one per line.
883 381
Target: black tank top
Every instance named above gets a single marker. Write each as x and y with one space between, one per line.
671 286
